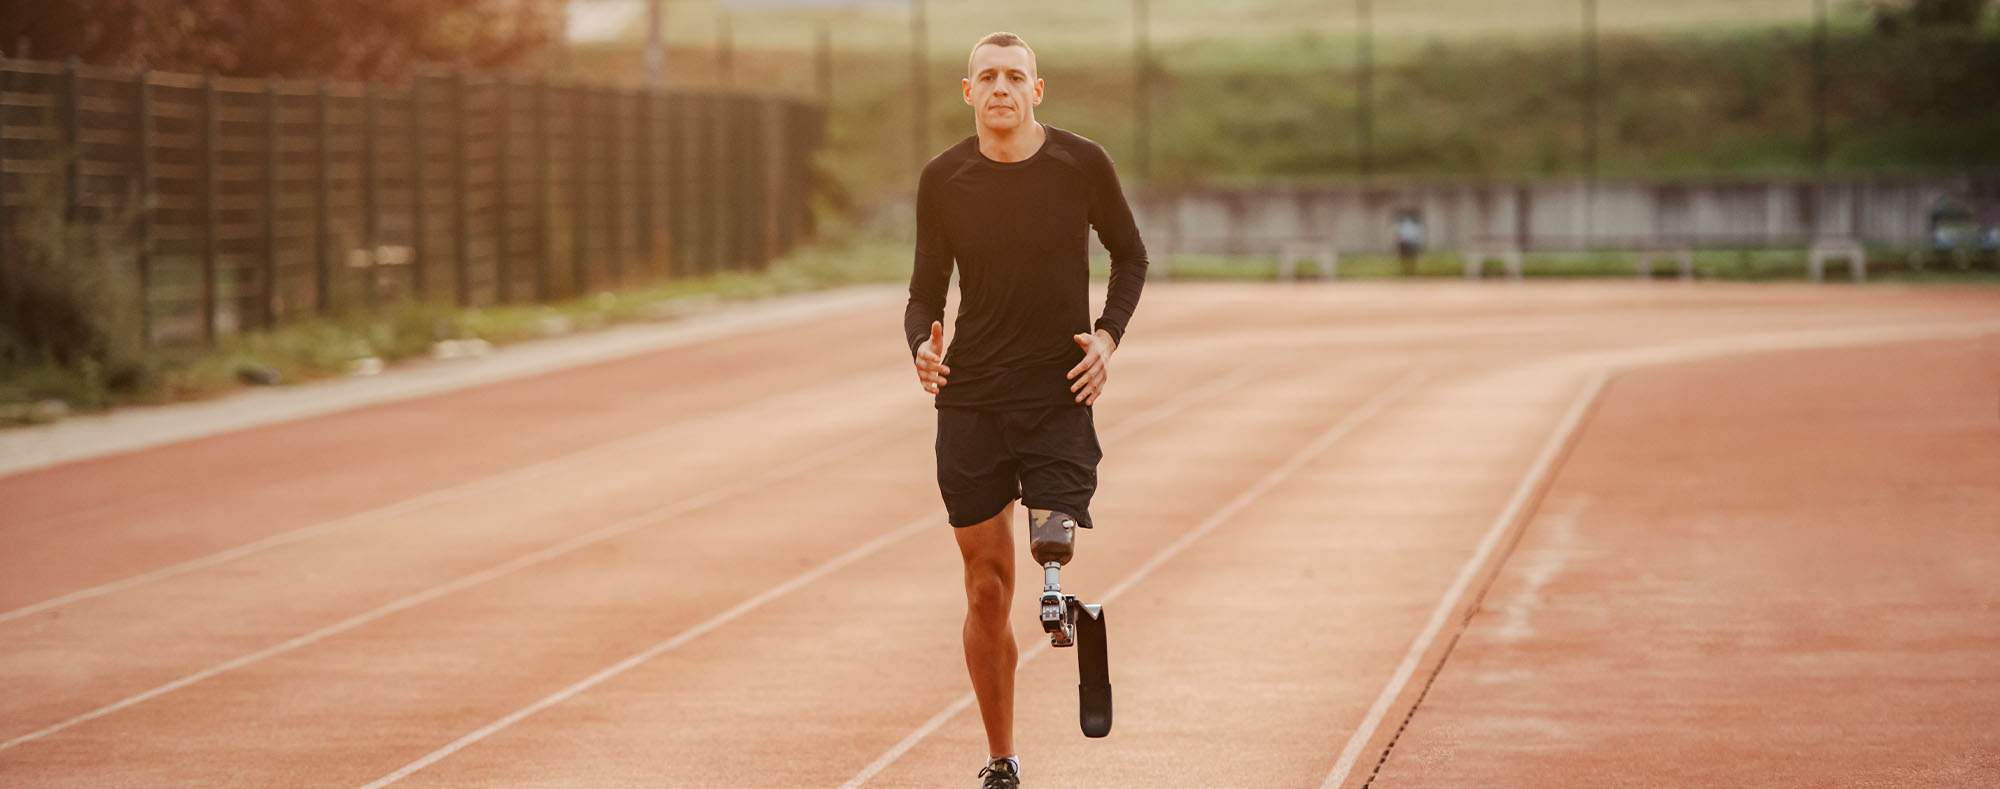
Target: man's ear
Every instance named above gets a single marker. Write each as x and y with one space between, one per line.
1038 93
966 86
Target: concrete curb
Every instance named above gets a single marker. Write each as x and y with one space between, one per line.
130 429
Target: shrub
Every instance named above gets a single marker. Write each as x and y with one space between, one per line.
69 291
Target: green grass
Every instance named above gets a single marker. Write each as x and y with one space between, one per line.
1740 266
323 347
1232 112
1270 91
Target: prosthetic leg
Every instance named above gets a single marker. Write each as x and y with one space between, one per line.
1052 541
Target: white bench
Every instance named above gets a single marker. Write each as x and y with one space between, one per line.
1823 249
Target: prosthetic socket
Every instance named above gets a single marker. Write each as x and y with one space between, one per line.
1052 541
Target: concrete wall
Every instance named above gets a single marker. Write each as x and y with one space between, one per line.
1549 214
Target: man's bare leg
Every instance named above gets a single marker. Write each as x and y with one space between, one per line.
990 655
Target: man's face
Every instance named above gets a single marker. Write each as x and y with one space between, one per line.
1002 87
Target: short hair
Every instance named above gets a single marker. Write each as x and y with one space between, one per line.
1003 39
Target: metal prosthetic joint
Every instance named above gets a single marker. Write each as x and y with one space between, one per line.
1052 541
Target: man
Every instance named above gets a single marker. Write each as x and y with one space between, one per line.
1013 206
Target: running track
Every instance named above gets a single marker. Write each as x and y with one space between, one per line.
724 564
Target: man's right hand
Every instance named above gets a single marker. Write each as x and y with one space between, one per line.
930 360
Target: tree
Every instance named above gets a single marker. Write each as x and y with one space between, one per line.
343 39
1893 16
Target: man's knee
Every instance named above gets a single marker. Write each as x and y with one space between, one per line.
988 587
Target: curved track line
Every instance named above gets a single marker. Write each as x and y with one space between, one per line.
928 521
504 478
1557 442
1610 363
464 582
1270 480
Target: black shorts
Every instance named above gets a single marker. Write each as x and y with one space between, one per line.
1046 457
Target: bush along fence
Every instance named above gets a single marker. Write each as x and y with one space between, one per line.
244 203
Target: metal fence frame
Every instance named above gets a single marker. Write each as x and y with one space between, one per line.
260 201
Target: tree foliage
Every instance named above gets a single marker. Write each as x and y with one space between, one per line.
342 39
1892 16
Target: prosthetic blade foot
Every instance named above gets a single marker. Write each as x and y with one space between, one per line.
1093 670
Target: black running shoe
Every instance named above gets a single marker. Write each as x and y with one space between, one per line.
999 774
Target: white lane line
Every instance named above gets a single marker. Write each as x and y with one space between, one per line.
929 521
1264 485
520 562
1501 526
503 479
1612 362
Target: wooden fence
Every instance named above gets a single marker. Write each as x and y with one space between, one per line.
262 200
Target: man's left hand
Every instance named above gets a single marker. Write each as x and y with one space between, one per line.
1088 376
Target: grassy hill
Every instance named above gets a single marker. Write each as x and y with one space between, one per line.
1269 89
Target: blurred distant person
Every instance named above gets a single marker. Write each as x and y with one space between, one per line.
1012 206
1409 239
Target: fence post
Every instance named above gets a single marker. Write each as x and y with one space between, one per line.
503 188
1820 44
143 84
543 240
208 212
579 97
73 135
920 108
722 165
771 112
461 257
669 187
5 233
268 289
781 176
692 179
322 224
417 229
1819 135
1142 67
648 176
614 170
796 190
679 108
371 229
1589 118
1365 103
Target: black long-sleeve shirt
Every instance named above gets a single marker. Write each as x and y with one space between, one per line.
1020 234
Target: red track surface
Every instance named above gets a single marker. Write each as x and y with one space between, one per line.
724 564
1779 570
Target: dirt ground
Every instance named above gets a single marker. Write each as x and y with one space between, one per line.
1637 534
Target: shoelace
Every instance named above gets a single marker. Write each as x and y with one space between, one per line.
998 769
